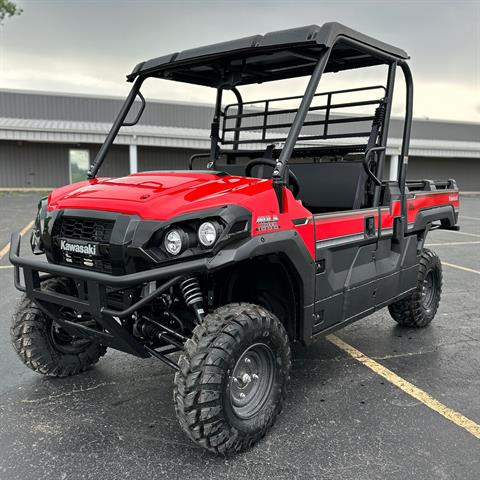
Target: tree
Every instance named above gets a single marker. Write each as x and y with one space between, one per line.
8 9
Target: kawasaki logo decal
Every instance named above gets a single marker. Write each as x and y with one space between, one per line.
84 249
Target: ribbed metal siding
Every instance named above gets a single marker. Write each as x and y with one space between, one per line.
33 165
465 171
86 109
39 165
166 158
91 109
116 164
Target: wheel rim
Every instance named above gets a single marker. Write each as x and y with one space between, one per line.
428 290
252 380
66 343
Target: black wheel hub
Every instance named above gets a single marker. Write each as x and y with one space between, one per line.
252 380
66 343
429 290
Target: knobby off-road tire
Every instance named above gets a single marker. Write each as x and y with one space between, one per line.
45 348
420 307
232 379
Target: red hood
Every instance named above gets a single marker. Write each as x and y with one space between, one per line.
159 195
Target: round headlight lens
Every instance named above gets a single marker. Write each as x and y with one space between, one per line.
173 242
207 234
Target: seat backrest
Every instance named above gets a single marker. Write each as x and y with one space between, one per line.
330 185
325 186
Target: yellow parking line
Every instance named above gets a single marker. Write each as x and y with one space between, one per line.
6 248
415 392
465 269
451 244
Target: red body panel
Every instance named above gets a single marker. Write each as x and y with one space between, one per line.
162 195
165 195
341 224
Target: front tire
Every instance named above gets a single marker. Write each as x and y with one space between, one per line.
43 346
232 379
420 307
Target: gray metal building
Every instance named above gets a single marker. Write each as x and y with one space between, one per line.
45 137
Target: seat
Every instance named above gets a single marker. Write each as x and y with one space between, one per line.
324 187
331 186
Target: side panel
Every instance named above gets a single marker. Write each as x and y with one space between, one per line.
346 277
396 266
357 273
396 258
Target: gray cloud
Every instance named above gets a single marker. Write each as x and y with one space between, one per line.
78 43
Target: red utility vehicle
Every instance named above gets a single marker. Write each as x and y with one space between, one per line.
266 246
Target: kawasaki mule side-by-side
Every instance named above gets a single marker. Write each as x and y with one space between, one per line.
289 232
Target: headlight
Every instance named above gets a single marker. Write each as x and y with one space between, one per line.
173 242
207 234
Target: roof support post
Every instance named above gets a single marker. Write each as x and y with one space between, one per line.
215 130
392 68
407 127
238 121
117 124
280 171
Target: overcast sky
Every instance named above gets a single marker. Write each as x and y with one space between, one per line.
87 46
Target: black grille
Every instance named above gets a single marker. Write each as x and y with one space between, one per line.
90 230
86 229
77 260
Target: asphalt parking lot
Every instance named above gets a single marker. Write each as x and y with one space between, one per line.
343 419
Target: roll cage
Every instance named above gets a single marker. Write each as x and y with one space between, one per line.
303 51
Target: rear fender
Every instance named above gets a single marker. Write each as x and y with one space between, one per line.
445 214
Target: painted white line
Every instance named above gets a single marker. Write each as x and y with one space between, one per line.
24 230
470 218
451 244
459 267
455 417
464 233
4 267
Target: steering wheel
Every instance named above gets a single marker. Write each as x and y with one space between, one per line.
292 178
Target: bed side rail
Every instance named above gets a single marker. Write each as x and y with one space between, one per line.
431 185
433 204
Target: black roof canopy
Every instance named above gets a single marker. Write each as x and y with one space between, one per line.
273 56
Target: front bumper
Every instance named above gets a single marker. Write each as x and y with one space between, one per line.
93 299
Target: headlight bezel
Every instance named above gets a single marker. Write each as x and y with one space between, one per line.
216 229
188 232
181 237
231 221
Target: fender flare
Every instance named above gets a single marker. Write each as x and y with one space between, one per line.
287 243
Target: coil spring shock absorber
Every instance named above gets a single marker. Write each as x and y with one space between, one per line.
193 296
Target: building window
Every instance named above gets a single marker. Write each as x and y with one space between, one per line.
79 161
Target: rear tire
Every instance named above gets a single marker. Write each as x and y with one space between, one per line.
420 307
232 379
43 346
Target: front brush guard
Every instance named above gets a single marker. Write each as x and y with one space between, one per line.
113 334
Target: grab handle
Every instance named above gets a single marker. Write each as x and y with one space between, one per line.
368 154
